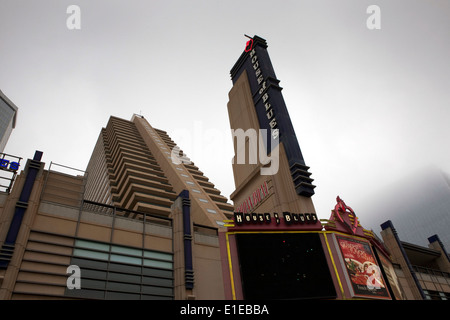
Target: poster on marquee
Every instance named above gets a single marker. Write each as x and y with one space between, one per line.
363 273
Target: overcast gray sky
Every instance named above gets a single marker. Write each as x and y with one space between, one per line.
369 107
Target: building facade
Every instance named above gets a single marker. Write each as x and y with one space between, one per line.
135 166
423 272
8 110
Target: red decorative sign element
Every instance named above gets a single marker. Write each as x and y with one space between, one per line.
249 45
341 206
254 199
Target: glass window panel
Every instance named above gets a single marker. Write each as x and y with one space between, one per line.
85 293
125 250
157 282
126 287
148 297
124 259
92 245
124 277
92 284
121 296
90 254
158 255
85 263
157 290
157 264
94 274
125 268
157 273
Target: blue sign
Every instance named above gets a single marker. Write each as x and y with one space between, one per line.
9 165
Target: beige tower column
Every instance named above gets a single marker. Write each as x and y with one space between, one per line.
247 176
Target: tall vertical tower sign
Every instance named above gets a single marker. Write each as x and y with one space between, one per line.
257 105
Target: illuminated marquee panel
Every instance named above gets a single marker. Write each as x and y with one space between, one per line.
288 218
363 274
289 221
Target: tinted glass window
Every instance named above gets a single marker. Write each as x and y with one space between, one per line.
283 266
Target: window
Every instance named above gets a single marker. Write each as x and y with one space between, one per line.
111 271
116 253
90 254
435 295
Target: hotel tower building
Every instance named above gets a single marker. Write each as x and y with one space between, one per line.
8 112
135 166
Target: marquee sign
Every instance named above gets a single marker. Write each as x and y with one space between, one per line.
274 221
271 110
289 218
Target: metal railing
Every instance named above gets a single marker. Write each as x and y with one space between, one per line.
7 172
107 209
430 271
